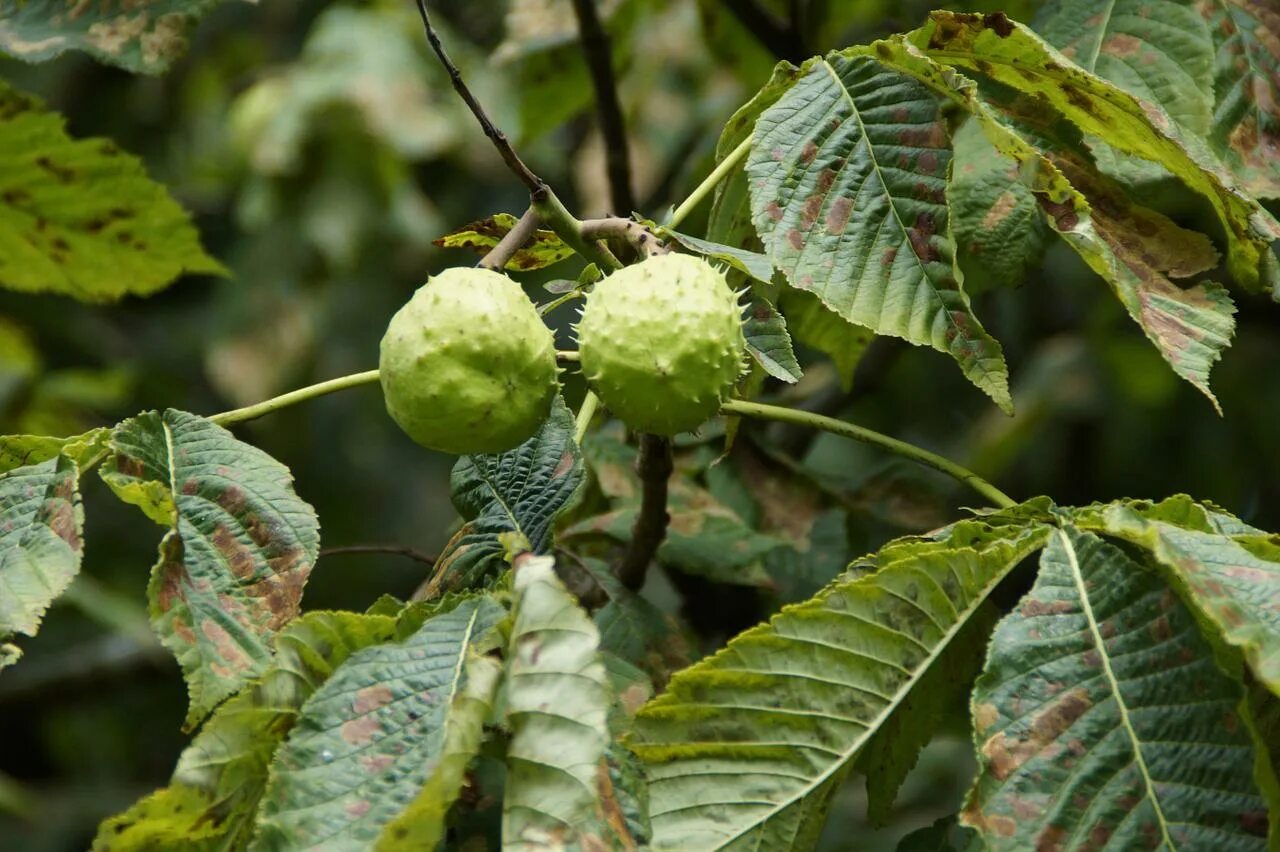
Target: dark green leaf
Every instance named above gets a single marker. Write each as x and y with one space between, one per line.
238 552
769 343
369 737
1102 714
847 175
80 217
521 491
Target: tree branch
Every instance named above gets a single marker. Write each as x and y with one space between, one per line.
598 51
535 184
654 466
777 36
644 241
512 241
393 549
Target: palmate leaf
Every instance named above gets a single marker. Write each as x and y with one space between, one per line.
369 737
543 249
1134 249
518 492
144 37
558 701
238 552
225 767
1010 54
847 175
743 748
1103 720
41 540
1159 50
80 217
1246 112
1230 576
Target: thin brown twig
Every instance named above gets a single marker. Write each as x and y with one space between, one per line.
644 241
537 186
654 465
512 241
393 549
598 52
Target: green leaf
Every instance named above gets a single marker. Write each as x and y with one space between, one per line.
522 491
847 176
1246 113
369 737
1012 55
998 225
769 343
9 654
1159 50
80 217
240 546
543 249
228 759
814 324
1102 714
744 748
23 450
749 263
557 709
172 818
41 540
143 37
634 629
1134 249
422 825
1232 580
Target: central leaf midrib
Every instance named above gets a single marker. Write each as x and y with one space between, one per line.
1125 722
893 208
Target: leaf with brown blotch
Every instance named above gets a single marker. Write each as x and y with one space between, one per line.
238 552
543 249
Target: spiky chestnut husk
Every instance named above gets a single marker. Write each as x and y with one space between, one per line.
661 343
467 365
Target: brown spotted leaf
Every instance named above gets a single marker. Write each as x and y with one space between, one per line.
1135 250
370 736
80 217
521 491
41 540
1231 575
141 36
1008 53
847 176
1159 50
558 699
744 748
1103 721
240 545
1246 113
543 249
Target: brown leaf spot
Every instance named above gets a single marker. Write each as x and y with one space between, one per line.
1032 608
774 211
808 152
920 233
1121 44
1005 755
355 810
999 23
795 238
984 717
1063 214
889 255
376 764
838 215
928 163
372 698
238 556
360 732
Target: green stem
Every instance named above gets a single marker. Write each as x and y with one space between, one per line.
569 228
543 310
709 183
590 403
761 411
276 403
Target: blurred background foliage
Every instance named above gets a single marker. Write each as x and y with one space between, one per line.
321 151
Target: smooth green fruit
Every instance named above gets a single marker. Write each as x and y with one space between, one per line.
661 342
467 365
